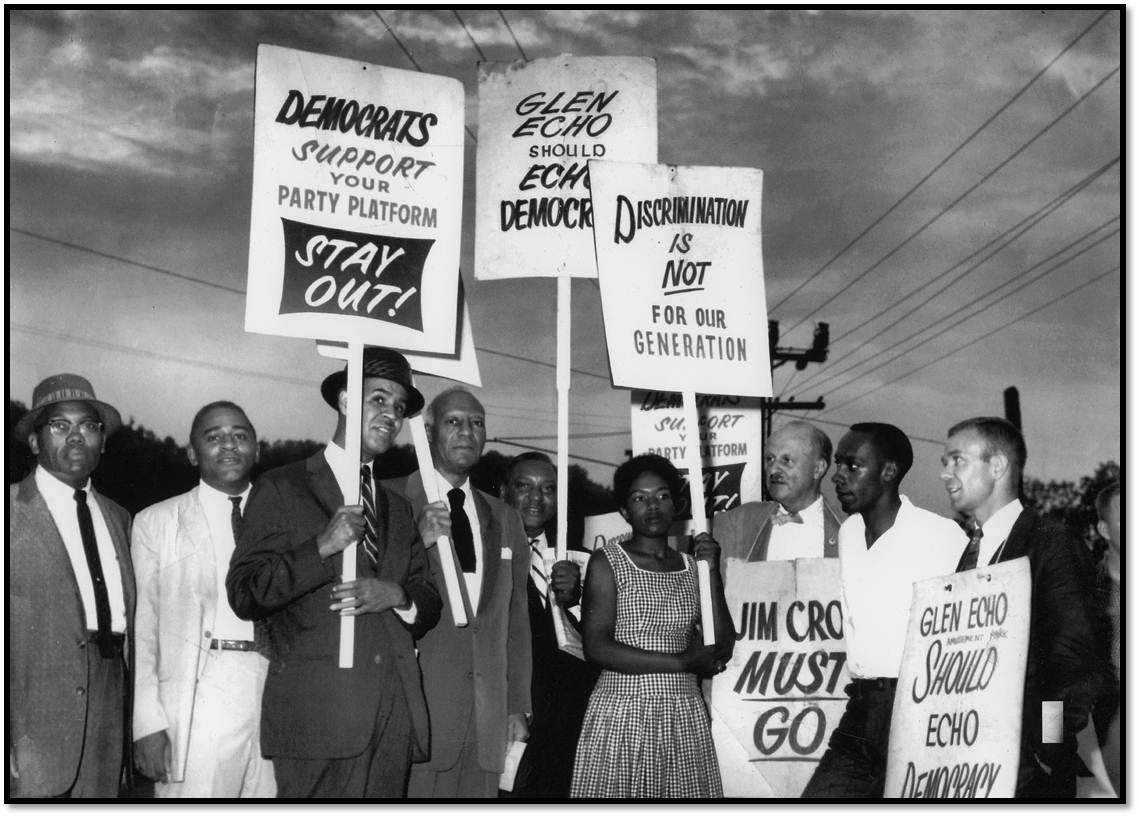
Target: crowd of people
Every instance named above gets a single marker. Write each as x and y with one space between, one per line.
199 644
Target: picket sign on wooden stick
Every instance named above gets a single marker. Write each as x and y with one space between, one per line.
699 520
455 596
350 479
562 384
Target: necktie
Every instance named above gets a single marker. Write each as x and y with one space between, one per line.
538 569
782 517
969 557
91 549
235 517
461 534
371 539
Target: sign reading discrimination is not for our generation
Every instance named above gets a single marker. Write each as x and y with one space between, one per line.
783 692
680 263
357 192
540 122
955 732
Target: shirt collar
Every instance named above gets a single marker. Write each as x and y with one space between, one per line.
51 485
812 510
211 494
999 525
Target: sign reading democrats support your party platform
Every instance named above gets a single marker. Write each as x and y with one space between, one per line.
357 202
540 122
955 732
775 707
680 263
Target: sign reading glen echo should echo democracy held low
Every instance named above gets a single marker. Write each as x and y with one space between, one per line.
775 706
540 122
955 732
357 202
680 263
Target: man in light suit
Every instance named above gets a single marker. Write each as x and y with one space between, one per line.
71 597
335 732
797 523
477 678
982 468
198 676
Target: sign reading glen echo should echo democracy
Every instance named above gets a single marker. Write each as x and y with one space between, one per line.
775 706
728 438
357 202
540 122
680 263
955 732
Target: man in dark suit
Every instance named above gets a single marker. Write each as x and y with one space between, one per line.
981 468
335 732
476 678
797 523
561 683
71 598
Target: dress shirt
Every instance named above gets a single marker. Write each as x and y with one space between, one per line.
877 583
473 580
219 515
798 540
995 531
338 461
539 545
60 499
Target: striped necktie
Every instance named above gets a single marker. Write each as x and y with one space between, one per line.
371 538
538 569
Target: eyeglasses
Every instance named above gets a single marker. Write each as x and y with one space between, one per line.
63 428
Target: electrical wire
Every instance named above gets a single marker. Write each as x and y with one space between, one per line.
511 30
470 36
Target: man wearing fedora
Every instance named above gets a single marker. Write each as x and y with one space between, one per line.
71 597
335 732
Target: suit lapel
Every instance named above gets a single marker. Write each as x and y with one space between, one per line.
830 532
758 552
192 524
490 553
55 552
1016 545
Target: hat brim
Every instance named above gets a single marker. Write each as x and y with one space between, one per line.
109 416
330 391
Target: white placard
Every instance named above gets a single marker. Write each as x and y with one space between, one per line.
955 732
357 202
540 122
680 264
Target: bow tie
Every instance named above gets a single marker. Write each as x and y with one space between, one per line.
782 518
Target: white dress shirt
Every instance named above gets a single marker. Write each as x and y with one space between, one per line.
995 531
60 499
472 580
878 583
219 518
798 540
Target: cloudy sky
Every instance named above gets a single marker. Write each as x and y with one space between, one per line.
130 169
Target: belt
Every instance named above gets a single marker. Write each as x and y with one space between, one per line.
240 646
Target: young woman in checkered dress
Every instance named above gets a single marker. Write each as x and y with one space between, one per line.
646 733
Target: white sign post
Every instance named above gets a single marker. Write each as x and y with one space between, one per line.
356 216
955 732
680 263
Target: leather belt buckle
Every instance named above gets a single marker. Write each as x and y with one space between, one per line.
240 646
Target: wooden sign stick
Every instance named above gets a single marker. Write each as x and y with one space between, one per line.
699 520
562 382
350 478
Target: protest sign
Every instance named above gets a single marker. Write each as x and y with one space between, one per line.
680 265
783 692
955 732
539 124
603 529
357 202
730 428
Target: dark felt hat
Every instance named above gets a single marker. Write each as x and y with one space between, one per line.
61 388
378 362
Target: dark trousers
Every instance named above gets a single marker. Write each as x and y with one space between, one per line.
380 771
101 763
854 764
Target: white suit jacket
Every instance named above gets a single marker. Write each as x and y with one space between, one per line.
175 569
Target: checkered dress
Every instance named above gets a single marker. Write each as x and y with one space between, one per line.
648 735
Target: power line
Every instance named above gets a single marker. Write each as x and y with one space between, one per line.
625 433
1011 234
940 164
957 200
517 44
551 451
471 37
847 425
962 309
978 340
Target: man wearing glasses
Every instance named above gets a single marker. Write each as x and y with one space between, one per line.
71 601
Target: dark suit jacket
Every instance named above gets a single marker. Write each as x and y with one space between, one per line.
1062 664
484 666
312 708
47 641
559 691
744 532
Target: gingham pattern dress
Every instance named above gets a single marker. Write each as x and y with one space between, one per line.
648 736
